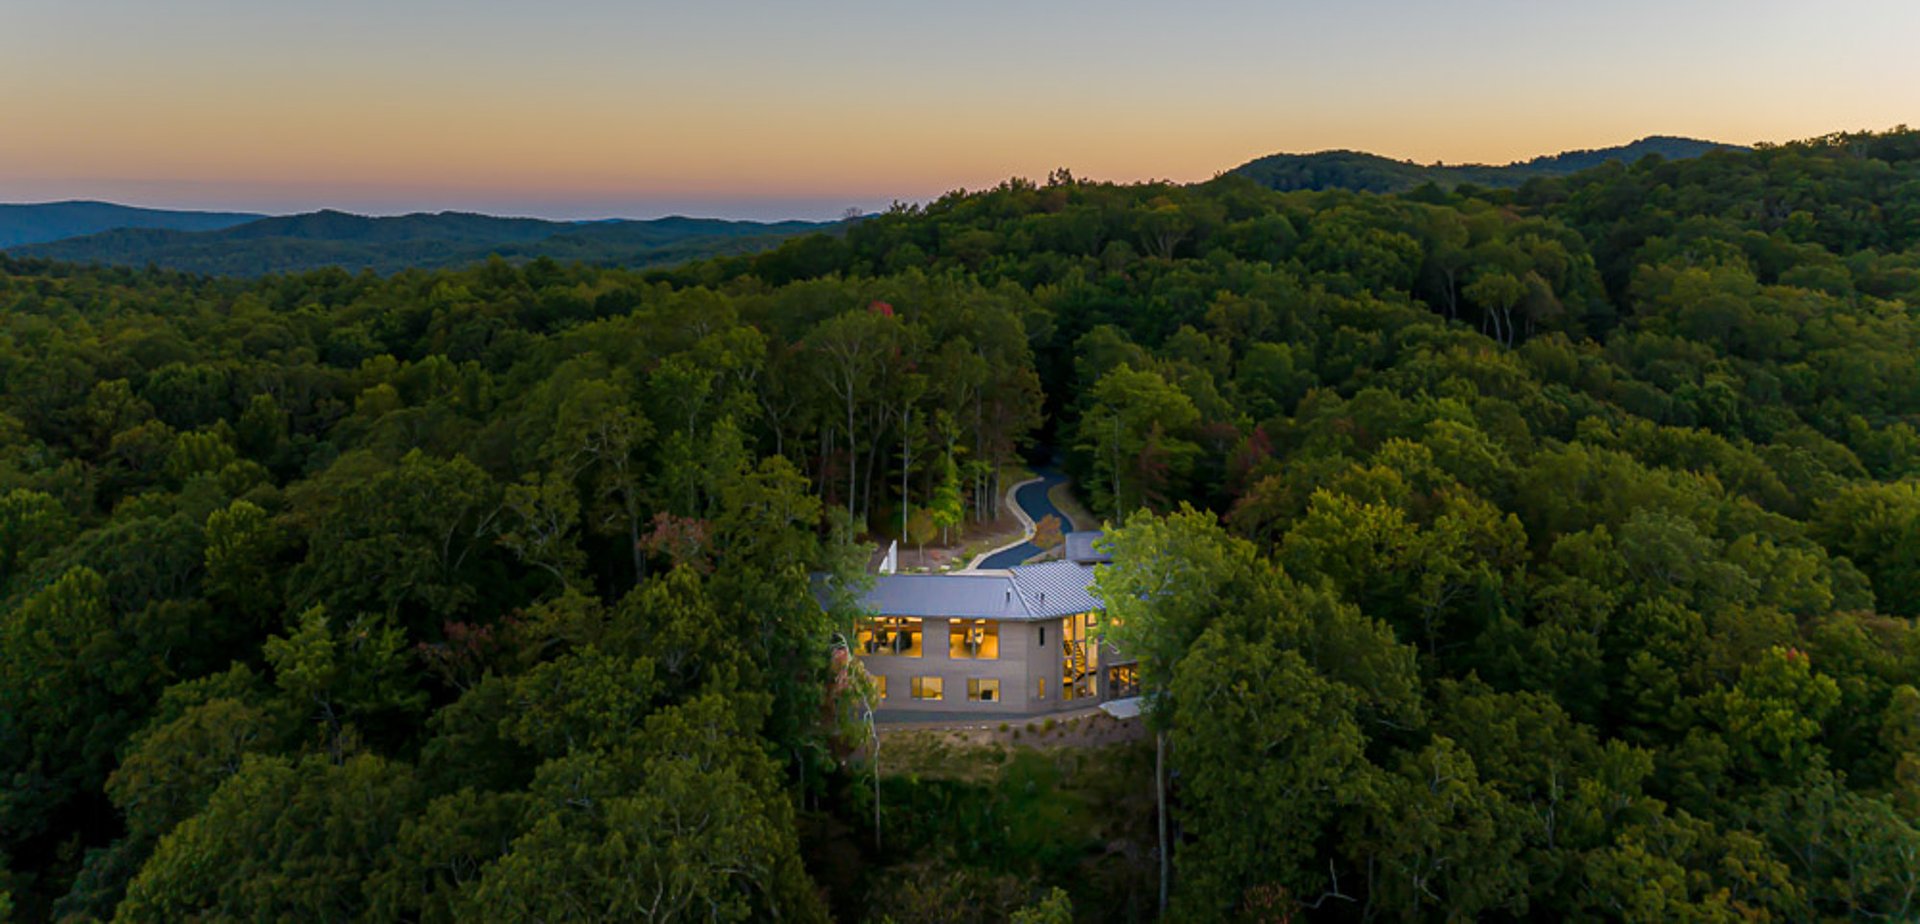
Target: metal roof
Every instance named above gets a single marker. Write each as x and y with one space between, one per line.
979 595
1080 548
1056 588
1027 592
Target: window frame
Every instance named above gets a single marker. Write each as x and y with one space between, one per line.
869 629
959 629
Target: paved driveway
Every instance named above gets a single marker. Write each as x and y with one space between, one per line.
1032 499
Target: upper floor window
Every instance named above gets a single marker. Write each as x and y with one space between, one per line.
973 638
889 635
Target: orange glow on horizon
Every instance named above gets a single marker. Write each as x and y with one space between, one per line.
628 103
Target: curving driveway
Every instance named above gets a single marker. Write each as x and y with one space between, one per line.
1032 500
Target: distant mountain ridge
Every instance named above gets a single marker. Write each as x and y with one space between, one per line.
1365 172
40 222
328 238
247 244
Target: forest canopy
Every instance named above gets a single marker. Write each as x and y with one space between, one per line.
1558 547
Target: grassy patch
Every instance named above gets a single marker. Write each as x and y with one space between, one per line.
1063 498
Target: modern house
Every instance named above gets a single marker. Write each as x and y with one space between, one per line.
1015 642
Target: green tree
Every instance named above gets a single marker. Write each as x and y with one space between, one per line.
245 551
1055 908
32 523
1878 527
72 685
1132 435
921 528
351 682
685 819
948 510
1497 293
540 519
1161 593
279 839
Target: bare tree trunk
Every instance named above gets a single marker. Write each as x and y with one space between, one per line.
875 734
906 465
852 454
1160 795
826 454
874 455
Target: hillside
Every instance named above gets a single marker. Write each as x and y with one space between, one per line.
1536 554
36 223
1365 172
295 243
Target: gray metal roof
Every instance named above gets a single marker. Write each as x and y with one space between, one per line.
979 595
1026 592
1080 547
1056 588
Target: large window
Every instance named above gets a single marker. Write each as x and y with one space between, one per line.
1123 680
973 638
889 635
1079 657
983 691
928 688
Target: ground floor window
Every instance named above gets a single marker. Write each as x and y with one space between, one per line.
889 635
880 683
1123 680
928 688
973 638
1040 688
983 691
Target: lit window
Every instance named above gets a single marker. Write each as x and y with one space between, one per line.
973 639
1079 657
928 688
983 691
889 635
1040 688
880 683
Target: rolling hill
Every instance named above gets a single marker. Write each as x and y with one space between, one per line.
40 222
294 243
1364 172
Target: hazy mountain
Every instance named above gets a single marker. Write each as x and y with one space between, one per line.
51 221
294 243
1372 173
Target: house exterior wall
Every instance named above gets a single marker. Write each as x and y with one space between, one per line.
1025 660
1021 662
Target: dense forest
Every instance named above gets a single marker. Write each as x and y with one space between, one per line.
1545 553
1363 172
239 245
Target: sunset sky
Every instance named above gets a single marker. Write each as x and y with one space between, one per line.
803 109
